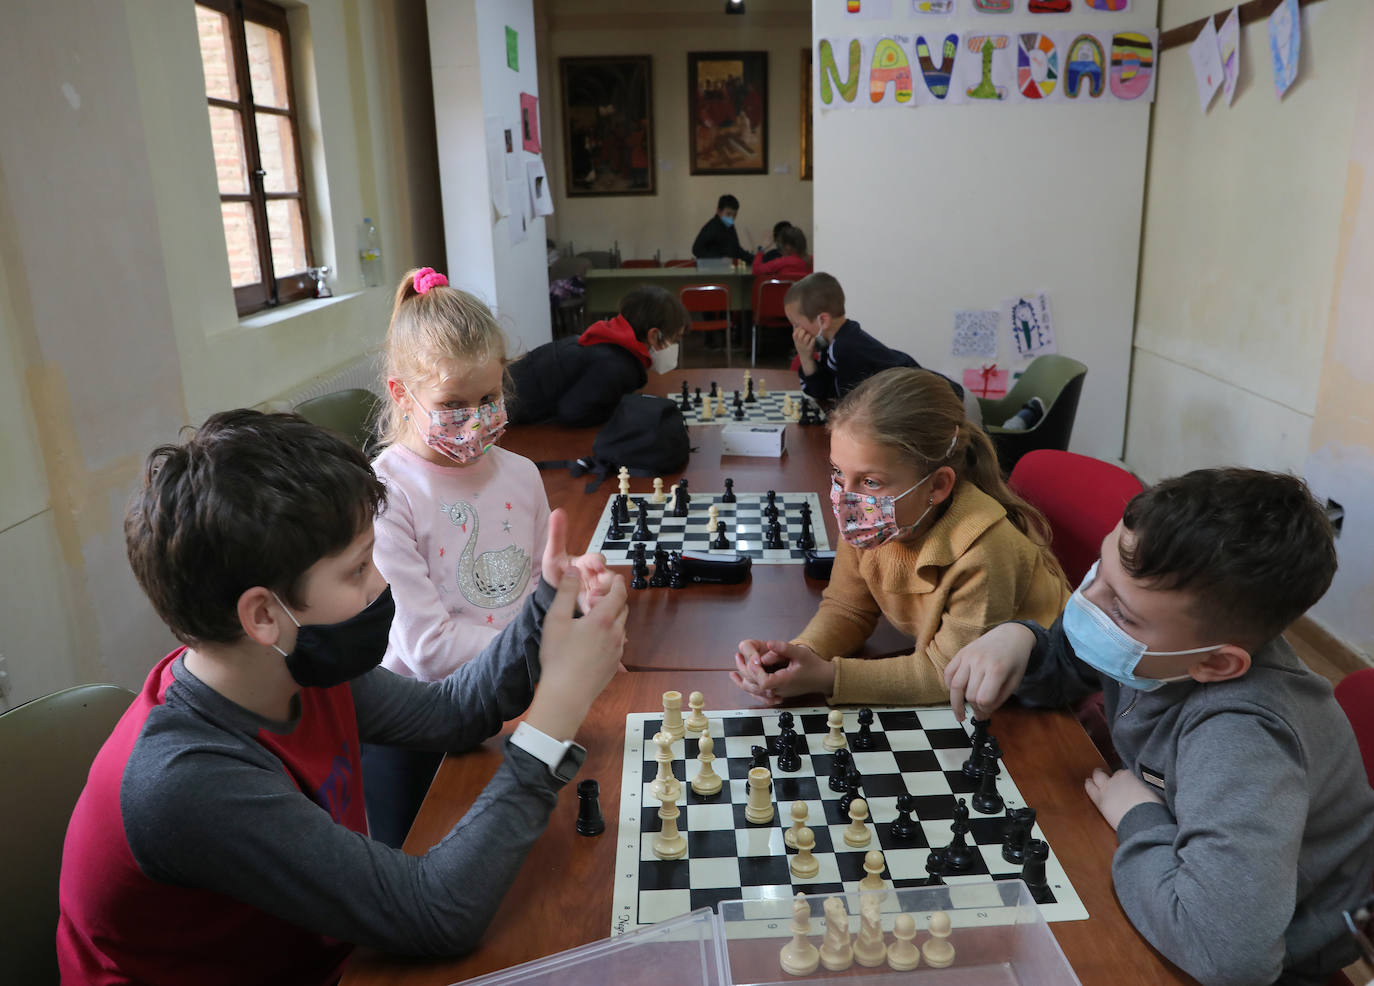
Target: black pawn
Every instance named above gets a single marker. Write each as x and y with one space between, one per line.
641 531
696 400
1017 833
852 780
686 401
660 577
786 722
738 402
863 741
640 572
839 766
773 537
715 392
720 540
749 397
739 411
589 820
958 855
987 801
935 867
1033 870
729 495
973 766
904 828
677 578
615 532
789 762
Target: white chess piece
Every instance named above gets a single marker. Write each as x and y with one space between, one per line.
669 843
712 515
799 957
869 948
672 500
837 949
873 866
760 807
672 714
787 406
762 389
666 781
624 477
856 834
658 490
707 782
804 865
706 413
902 955
696 721
721 409
938 951
744 388
835 739
799 813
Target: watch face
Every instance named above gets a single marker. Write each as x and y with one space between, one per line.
572 760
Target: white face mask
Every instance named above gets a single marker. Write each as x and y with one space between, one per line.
664 359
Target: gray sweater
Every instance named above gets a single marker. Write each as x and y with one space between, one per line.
1266 832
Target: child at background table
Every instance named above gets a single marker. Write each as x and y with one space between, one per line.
578 381
791 264
775 251
932 538
466 520
1243 815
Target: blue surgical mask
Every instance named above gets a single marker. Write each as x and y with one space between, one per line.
1101 644
728 220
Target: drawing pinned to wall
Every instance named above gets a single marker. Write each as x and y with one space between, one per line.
496 172
832 86
521 213
1085 62
1050 6
937 76
1028 321
872 10
1206 58
932 6
994 6
890 67
512 49
1110 6
1133 65
987 381
989 76
1228 42
1037 65
975 333
541 197
529 122
1285 44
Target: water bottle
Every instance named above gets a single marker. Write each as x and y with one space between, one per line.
370 253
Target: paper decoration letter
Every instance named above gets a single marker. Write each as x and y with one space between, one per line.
937 76
529 122
1111 6
932 6
890 67
1133 65
1037 66
993 6
987 381
828 73
1285 44
1050 6
1029 322
1228 46
986 46
1086 62
975 333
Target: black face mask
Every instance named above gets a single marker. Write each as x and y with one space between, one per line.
328 654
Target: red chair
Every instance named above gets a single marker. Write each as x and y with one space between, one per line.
1355 693
713 302
768 310
689 262
651 262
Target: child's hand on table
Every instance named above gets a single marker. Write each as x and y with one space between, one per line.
773 670
1116 794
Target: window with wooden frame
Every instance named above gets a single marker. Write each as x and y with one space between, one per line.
245 50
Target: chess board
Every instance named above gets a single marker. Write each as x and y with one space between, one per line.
916 751
765 410
744 527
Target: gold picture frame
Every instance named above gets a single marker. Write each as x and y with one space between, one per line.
807 162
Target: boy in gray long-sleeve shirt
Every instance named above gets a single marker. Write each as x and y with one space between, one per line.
1244 818
221 835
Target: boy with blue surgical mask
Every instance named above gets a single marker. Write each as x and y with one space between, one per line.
1244 819
718 237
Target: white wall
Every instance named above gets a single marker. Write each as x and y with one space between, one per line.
924 211
668 222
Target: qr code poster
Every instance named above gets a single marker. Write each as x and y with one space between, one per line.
1027 318
975 334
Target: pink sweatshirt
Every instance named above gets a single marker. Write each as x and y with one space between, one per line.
461 547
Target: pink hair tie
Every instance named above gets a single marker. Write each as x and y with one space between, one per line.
428 277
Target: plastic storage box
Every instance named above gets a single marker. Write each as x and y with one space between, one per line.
742 438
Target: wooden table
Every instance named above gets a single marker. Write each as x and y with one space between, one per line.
605 288
699 627
562 896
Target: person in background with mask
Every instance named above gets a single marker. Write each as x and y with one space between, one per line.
718 238
578 380
1242 778
932 539
221 836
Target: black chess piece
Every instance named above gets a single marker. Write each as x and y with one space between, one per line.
863 741
771 503
958 855
739 412
677 578
729 495
1017 833
839 765
935 867
760 755
686 402
773 536
738 402
789 761
749 397
589 820
660 577
720 540
640 572
683 499
852 781
615 532
806 539
715 391
973 766
1033 870
622 508
987 801
805 417
696 400
641 531
904 828
786 722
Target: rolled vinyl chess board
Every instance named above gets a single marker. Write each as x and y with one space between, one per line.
744 525
919 751
766 409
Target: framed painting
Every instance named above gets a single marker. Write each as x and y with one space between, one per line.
727 112
806 165
608 131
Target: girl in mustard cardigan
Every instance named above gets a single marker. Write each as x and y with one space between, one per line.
932 538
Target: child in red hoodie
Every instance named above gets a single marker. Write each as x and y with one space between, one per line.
793 265
578 381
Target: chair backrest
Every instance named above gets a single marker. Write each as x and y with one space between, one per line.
352 413
1355 693
1081 497
565 267
768 306
600 258
650 262
1058 382
686 262
46 750
710 300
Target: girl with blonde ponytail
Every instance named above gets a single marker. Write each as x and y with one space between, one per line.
931 538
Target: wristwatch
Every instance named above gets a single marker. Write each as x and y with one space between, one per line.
563 758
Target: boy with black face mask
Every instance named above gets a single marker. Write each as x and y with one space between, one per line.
221 836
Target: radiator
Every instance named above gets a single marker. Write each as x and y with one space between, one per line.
363 373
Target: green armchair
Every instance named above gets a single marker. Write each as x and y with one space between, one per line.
1056 380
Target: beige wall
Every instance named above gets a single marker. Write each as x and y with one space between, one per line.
668 222
116 314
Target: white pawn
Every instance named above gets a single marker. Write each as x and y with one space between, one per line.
658 490
624 477
837 949
856 833
804 865
760 807
835 739
672 714
762 389
706 413
669 843
696 720
938 951
721 409
873 866
800 957
707 782
787 406
902 955
672 500
712 515
798 823
869 948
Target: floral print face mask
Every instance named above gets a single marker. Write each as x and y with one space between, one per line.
464 434
867 521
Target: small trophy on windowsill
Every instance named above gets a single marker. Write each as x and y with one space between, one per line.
320 274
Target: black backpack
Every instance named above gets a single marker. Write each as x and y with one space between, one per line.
646 434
